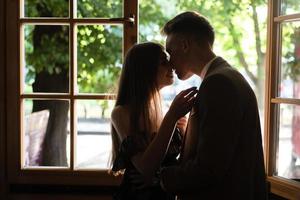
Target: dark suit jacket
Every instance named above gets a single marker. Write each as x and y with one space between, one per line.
222 156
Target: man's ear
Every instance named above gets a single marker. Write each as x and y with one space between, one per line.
185 45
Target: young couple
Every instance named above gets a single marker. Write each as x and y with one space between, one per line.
221 154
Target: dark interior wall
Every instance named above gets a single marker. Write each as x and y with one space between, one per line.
2 102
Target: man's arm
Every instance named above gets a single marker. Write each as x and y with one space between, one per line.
219 123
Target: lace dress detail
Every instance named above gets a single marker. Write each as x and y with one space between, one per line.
131 146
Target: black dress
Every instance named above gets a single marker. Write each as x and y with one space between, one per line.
132 145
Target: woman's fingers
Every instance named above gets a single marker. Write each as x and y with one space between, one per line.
183 102
190 102
191 94
183 93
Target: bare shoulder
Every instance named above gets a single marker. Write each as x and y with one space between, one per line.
120 120
119 112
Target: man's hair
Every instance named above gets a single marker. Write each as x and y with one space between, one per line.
190 23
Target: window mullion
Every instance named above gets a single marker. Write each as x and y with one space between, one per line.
286 101
130 29
287 18
72 84
271 88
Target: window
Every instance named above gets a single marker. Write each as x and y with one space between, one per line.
66 58
283 100
53 71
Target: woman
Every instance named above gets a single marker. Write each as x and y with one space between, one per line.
143 141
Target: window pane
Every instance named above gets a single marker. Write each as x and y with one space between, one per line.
93 133
288 158
99 8
45 133
290 61
46 59
46 8
99 57
290 7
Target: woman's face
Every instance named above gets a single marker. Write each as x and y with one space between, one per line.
165 74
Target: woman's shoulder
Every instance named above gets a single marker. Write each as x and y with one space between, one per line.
120 111
120 120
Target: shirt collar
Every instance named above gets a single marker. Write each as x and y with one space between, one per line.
206 67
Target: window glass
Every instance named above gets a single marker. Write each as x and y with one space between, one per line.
290 7
46 58
46 8
99 8
288 154
93 133
99 57
45 132
290 61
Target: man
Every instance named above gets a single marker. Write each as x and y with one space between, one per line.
222 156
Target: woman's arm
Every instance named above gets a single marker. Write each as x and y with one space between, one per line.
148 162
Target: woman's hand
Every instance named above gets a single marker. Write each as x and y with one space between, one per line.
183 103
181 124
149 161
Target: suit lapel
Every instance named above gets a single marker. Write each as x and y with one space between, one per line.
215 65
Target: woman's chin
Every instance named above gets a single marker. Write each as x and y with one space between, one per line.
167 83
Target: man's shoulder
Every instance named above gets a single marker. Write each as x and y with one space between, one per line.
218 77
226 73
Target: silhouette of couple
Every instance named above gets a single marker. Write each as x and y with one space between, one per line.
214 154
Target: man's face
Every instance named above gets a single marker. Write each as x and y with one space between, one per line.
178 56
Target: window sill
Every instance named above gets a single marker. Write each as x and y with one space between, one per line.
285 188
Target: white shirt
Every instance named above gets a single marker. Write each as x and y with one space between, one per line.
206 67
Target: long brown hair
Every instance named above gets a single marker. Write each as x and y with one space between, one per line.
138 90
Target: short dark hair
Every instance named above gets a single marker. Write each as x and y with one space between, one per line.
190 23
